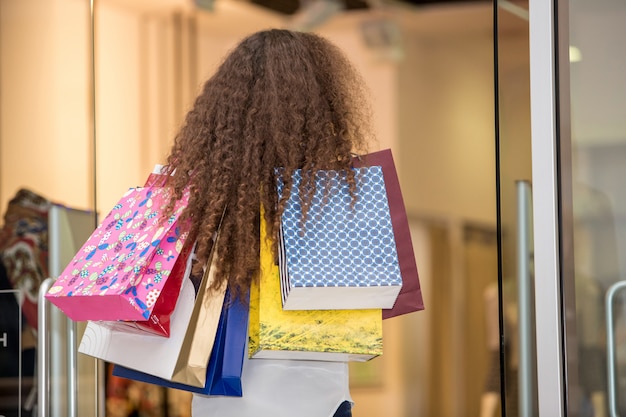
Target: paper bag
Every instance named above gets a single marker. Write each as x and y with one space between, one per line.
343 254
120 271
410 296
324 335
197 345
224 371
159 321
194 320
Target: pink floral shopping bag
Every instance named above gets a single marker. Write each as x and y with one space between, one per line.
119 272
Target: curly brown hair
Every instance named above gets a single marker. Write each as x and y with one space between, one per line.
280 99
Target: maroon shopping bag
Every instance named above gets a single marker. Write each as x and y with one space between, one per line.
410 297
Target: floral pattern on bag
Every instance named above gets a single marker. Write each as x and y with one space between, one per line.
131 253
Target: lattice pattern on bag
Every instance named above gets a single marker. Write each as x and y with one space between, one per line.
340 245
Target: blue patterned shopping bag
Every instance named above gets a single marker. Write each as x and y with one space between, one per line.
342 253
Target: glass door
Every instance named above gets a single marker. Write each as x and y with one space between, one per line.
578 153
593 160
517 392
47 206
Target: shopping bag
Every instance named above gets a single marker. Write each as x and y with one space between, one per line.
410 297
342 255
183 357
195 351
120 271
224 371
159 321
325 335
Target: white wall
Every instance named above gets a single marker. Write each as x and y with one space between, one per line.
45 102
446 120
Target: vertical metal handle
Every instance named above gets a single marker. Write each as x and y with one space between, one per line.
525 304
610 346
43 345
44 354
72 369
56 258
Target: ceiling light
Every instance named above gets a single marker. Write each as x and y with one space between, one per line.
574 54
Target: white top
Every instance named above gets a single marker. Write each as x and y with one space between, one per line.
281 388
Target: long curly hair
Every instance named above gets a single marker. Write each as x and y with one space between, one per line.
280 99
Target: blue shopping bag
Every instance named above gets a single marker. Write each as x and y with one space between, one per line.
226 361
341 253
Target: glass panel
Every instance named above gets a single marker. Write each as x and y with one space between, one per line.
151 60
517 366
598 141
46 166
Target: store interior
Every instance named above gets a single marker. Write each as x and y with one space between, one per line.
91 95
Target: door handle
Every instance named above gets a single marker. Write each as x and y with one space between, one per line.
525 301
610 346
43 347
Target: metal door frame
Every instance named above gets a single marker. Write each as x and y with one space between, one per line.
552 203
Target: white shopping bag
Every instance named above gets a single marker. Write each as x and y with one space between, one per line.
196 313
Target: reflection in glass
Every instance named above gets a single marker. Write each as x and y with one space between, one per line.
152 65
514 168
598 141
45 162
